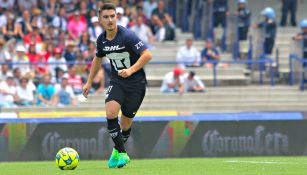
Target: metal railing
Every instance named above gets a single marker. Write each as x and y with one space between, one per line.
302 61
261 62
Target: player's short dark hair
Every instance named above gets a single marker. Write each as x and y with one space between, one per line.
107 6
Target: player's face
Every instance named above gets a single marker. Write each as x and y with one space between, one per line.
108 19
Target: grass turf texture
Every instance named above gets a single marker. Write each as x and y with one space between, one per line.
193 166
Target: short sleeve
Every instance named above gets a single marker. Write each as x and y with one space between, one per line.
40 89
135 43
204 53
99 47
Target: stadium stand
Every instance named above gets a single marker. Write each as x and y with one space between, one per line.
218 99
247 97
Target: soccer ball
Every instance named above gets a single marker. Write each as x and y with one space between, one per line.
67 159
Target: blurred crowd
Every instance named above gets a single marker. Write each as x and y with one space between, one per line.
46 46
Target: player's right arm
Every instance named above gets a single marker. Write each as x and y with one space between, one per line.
96 64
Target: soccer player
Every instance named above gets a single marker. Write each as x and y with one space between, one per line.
127 54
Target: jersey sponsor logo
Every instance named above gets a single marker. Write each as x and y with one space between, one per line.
139 45
112 48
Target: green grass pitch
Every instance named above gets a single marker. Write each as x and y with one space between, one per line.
191 166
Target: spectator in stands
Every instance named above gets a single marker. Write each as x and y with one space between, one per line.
244 15
42 24
95 29
220 11
35 17
70 54
83 8
25 93
160 10
45 92
7 4
302 36
58 76
56 61
98 82
140 13
9 51
269 28
89 55
149 6
76 26
8 88
10 30
32 55
209 53
2 52
21 60
288 5
161 31
64 94
121 18
61 42
188 55
143 31
3 17
75 80
27 4
60 21
81 67
173 81
5 72
40 65
84 42
130 15
48 48
17 75
24 25
192 83
170 28
33 36
51 36
51 7
91 13
3 102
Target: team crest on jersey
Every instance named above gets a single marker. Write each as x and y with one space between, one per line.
112 48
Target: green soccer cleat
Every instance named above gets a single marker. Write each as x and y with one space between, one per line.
113 161
123 160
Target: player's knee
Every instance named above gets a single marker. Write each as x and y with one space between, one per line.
111 114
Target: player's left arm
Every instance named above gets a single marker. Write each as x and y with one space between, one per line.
144 59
